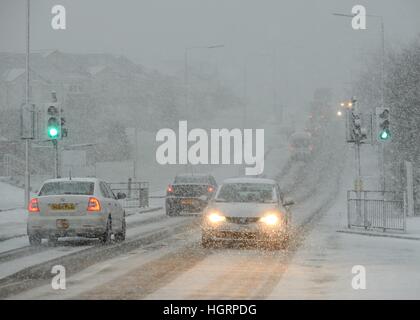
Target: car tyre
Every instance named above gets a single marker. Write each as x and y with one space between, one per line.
206 241
120 236
35 240
170 211
106 236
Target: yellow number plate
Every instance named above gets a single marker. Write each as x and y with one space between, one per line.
62 206
187 201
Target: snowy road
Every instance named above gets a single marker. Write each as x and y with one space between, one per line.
178 267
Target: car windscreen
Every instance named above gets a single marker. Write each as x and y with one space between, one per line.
191 179
67 187
247 192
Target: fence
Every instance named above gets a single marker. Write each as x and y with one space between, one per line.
137 193
376 209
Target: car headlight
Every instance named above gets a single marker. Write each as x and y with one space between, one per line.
270 219
216 217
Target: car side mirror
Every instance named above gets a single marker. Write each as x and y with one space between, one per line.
287 202
121 195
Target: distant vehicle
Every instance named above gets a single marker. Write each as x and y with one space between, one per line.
247 209
189 192
300 144
84 207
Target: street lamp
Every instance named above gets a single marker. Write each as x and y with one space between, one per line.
381 153
382 47
27 140
186 73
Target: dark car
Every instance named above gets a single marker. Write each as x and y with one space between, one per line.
190 193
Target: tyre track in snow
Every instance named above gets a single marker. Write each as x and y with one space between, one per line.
254 274
164 270
74 262
13 254
250 274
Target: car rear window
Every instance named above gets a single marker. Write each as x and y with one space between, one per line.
192 179
247 192
67 187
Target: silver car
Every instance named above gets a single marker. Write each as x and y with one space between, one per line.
247 209
84 207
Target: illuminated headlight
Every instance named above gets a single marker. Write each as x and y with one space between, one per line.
216 217
270 219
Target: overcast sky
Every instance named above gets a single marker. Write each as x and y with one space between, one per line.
313 48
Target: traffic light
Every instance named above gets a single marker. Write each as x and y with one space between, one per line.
383 124
355 132
53 121
356 125
64 131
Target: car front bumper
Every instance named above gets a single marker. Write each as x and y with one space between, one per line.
251 231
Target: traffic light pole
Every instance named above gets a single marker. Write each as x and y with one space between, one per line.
356 135
27 169
56 169
382 165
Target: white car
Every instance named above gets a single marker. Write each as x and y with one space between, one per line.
247 209
84 207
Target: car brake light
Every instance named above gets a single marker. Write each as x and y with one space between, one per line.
93 205
210 189
33 205
170 189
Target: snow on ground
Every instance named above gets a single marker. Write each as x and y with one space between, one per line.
10 197
12 266
109 270
12 223
322 268
12 214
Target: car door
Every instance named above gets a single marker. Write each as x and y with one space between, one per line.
117 211
105 203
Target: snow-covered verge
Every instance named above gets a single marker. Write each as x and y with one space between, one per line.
12 214
322 268
10 197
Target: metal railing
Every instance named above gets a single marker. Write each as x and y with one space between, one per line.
376 210
137 193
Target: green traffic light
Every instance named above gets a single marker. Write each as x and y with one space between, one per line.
384 135
53 132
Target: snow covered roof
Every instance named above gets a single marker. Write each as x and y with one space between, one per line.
249 180
96 69
12 74
72 179
301 135
46 53
192 175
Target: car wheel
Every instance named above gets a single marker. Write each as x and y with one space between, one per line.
120 236
106 237
170 211
35 240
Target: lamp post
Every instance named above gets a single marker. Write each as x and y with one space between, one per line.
27 145
381 147
186 68
382 49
